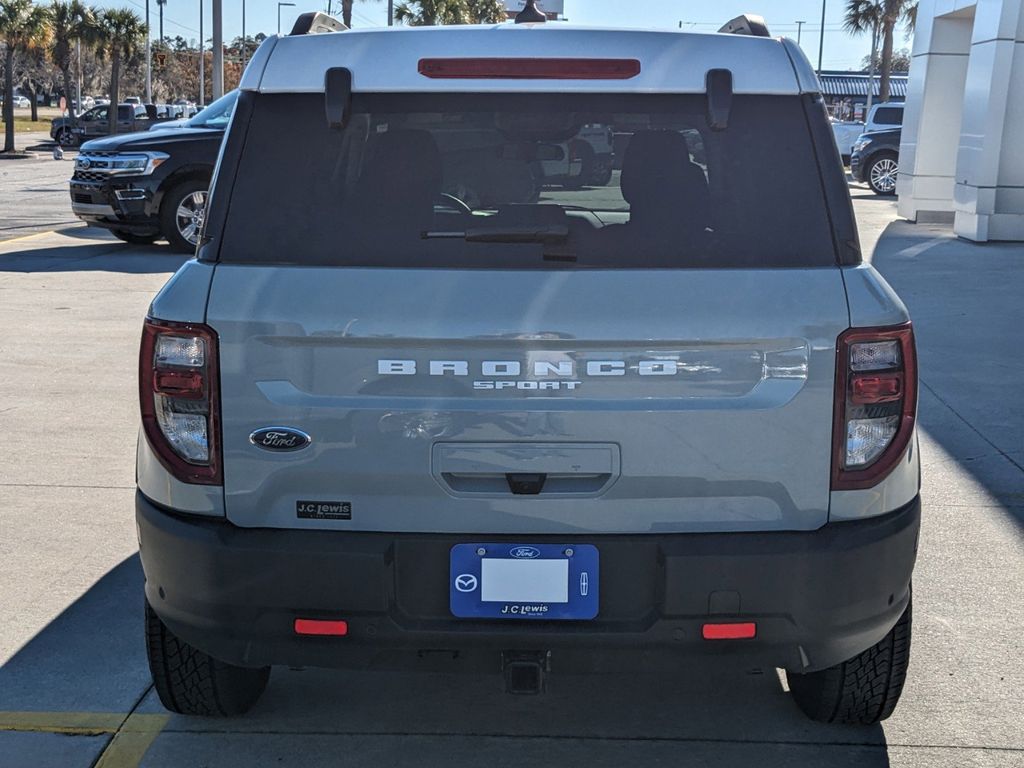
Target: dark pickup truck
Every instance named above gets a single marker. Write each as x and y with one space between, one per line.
152 185
95 122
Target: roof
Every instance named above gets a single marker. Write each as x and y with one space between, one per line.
856 84
386 59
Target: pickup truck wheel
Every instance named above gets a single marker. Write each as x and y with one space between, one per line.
588 160
862 690
135 239
191 682
881 174
66 137
182 213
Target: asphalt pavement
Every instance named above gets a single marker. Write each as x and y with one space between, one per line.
75 691
34 190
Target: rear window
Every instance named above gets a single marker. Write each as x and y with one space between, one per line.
889 116
527 181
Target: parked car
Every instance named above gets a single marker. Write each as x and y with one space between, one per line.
884 117
846 133
585 160
69 131
132 100
20 102
383 425
152 185
875 160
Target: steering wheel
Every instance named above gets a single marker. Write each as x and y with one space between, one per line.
452 201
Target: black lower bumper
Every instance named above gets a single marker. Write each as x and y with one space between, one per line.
125 204
817 597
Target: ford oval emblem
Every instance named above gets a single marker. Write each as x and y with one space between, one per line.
280 439
521 552
84 163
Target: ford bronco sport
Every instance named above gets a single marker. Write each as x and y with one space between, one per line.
390 410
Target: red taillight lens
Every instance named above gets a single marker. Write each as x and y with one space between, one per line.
179 399
529 69
875 404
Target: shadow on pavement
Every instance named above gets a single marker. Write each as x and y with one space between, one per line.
108 256
90 659
966 305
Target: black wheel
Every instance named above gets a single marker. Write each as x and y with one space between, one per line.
66 137
881 174
588 160
182 212
862 690
191 682
602 174
135 239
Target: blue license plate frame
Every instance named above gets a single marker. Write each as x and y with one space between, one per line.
471 564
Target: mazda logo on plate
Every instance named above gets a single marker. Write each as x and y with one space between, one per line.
524 552
280 439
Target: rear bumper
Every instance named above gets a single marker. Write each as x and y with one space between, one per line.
817 597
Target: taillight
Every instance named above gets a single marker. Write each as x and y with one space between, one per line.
179 398
875 404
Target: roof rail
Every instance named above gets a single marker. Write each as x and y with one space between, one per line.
747 24
316 23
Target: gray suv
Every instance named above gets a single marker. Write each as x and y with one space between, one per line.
392 416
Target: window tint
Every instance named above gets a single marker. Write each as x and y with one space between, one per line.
889 116
527 181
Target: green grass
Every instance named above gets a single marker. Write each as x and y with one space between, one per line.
22 124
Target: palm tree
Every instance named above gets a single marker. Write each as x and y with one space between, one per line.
865 16
431 12
122 33
23 27
894 12
73 22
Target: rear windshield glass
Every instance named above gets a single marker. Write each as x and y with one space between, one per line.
527 181
889 116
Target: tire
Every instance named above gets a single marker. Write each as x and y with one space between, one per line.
588 160
66 137
190 682
180 227
881 173
862 690
135 239
602 174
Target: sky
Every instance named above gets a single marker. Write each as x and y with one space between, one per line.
841 51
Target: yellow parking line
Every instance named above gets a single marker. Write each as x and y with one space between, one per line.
133 734
22 238
130 743
81 723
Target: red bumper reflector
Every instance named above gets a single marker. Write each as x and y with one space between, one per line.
321 627
529 69
732 631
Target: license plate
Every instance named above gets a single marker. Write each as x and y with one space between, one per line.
524 581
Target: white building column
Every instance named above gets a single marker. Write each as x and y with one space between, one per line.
935 100
989 192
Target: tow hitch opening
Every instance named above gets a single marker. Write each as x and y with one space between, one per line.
525 671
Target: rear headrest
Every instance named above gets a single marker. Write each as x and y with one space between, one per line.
657 163
403 165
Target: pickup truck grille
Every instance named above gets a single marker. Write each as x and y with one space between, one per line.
90 176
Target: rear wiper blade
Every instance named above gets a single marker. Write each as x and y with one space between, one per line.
525 234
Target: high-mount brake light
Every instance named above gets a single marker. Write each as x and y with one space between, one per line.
529 69
179 399
875 404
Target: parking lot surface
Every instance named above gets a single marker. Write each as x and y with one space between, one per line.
34 191
74 687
